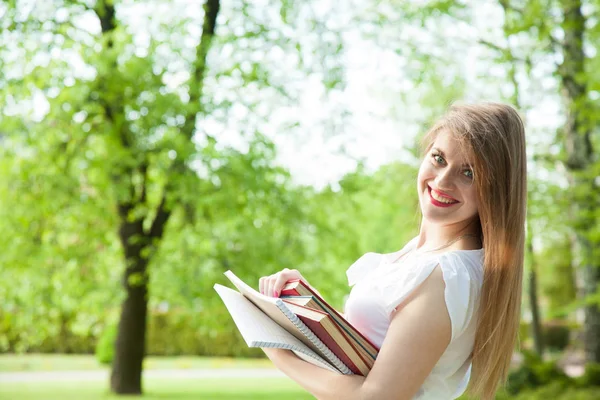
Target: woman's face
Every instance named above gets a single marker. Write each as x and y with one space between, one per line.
445 183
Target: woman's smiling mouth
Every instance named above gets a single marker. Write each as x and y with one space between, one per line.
440 200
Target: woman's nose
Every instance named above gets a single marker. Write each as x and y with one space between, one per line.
444 179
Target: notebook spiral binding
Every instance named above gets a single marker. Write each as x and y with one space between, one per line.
314 339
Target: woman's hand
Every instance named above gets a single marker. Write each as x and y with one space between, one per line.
271 285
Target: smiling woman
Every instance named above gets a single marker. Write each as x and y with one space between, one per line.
473 179
444 310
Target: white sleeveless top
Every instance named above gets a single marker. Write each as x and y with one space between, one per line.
381 285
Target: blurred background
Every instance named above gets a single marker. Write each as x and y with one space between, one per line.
148 146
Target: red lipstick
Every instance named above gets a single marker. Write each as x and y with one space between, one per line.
439 203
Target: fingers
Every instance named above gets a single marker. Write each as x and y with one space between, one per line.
270 282
271 285
262 284
278 284
277 281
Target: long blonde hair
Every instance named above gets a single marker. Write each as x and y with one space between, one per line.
494 135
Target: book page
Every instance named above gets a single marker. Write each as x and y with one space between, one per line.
258 330
269 305
277 310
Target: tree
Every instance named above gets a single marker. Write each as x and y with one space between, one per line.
580 159
141 224
125 127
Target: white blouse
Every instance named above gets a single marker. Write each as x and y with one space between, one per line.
380 285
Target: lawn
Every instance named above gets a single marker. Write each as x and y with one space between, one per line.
154 388
66 362
176 389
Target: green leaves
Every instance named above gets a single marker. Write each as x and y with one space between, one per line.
123 119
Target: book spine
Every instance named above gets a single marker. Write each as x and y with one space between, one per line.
314 339
330 343
336 317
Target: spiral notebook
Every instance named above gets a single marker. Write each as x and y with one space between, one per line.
267 322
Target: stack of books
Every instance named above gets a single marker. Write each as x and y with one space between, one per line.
300 321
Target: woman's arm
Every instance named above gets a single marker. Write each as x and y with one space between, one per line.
418 335
318 381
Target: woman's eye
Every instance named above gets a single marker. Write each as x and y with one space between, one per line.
470 173
437 158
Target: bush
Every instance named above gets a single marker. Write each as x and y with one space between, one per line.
558 391
556 335
43 338
591 376
534 373
172 333
105 348
179 332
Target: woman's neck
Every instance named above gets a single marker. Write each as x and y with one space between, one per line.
450 238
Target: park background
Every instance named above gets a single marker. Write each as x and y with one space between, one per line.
148 146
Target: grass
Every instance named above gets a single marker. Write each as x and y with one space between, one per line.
161 389
154 388
66 362
178 388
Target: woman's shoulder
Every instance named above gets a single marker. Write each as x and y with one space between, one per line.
463 265
467 257
454 260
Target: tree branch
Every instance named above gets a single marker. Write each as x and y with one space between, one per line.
160 221
144 174
507 6
106 15
211 10
105 11
505 51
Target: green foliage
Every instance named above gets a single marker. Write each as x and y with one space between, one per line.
256 224
179 332
557 282
558 390
126 127
135 123
170 333
556 335
105 348
524 331
591 375
533 373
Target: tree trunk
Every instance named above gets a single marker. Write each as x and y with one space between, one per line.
591 275
126 376
578 146
130 345
536 328
126 373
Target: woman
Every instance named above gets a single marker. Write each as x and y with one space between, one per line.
445 309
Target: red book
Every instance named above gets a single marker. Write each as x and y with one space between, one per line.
321 324
365 347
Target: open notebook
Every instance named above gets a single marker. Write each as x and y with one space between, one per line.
267 322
